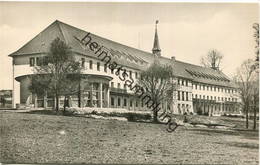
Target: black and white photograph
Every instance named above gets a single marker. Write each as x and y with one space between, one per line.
125 82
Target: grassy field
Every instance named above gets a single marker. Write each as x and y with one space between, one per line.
39 138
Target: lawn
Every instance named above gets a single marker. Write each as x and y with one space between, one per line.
39 138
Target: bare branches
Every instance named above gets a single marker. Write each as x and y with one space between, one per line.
212 60
247 80
59 74
256 36
157 82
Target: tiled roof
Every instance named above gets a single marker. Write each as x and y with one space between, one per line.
120 53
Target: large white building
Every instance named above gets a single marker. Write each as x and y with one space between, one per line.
200 89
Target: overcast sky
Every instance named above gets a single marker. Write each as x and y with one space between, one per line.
186 30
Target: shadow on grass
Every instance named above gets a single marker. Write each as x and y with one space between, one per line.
247 134
240 144
243 145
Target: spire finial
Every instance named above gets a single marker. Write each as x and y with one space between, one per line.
156 47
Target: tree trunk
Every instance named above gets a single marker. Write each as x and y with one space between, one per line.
246 110
155 114
64 104
57 102
255 109
79 96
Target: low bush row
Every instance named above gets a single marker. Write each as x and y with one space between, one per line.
108 112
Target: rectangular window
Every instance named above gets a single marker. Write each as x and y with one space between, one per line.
119 102
179 95
130 73
131 103
118 85
105 67
182 96
83 62
112 71
187 96
196 96
136 103
45 60
203 87
182 83
112 84
125 102
90 64
32 61
211 98
112 101
98 66
136 75
178 81
187 82
195 86
38 61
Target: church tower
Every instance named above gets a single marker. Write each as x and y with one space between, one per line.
156 47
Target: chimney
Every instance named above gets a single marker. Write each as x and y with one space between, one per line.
173 58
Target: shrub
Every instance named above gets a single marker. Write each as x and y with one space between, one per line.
199 112
130 115
137 116
206 113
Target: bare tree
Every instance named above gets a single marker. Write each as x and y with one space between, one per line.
246 78
256 36
255 99
58 72
212 60
157 81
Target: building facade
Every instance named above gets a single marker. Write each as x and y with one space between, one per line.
199 89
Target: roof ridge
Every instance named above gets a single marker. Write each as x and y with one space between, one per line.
105 38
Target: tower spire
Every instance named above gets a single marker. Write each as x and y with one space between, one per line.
156 47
